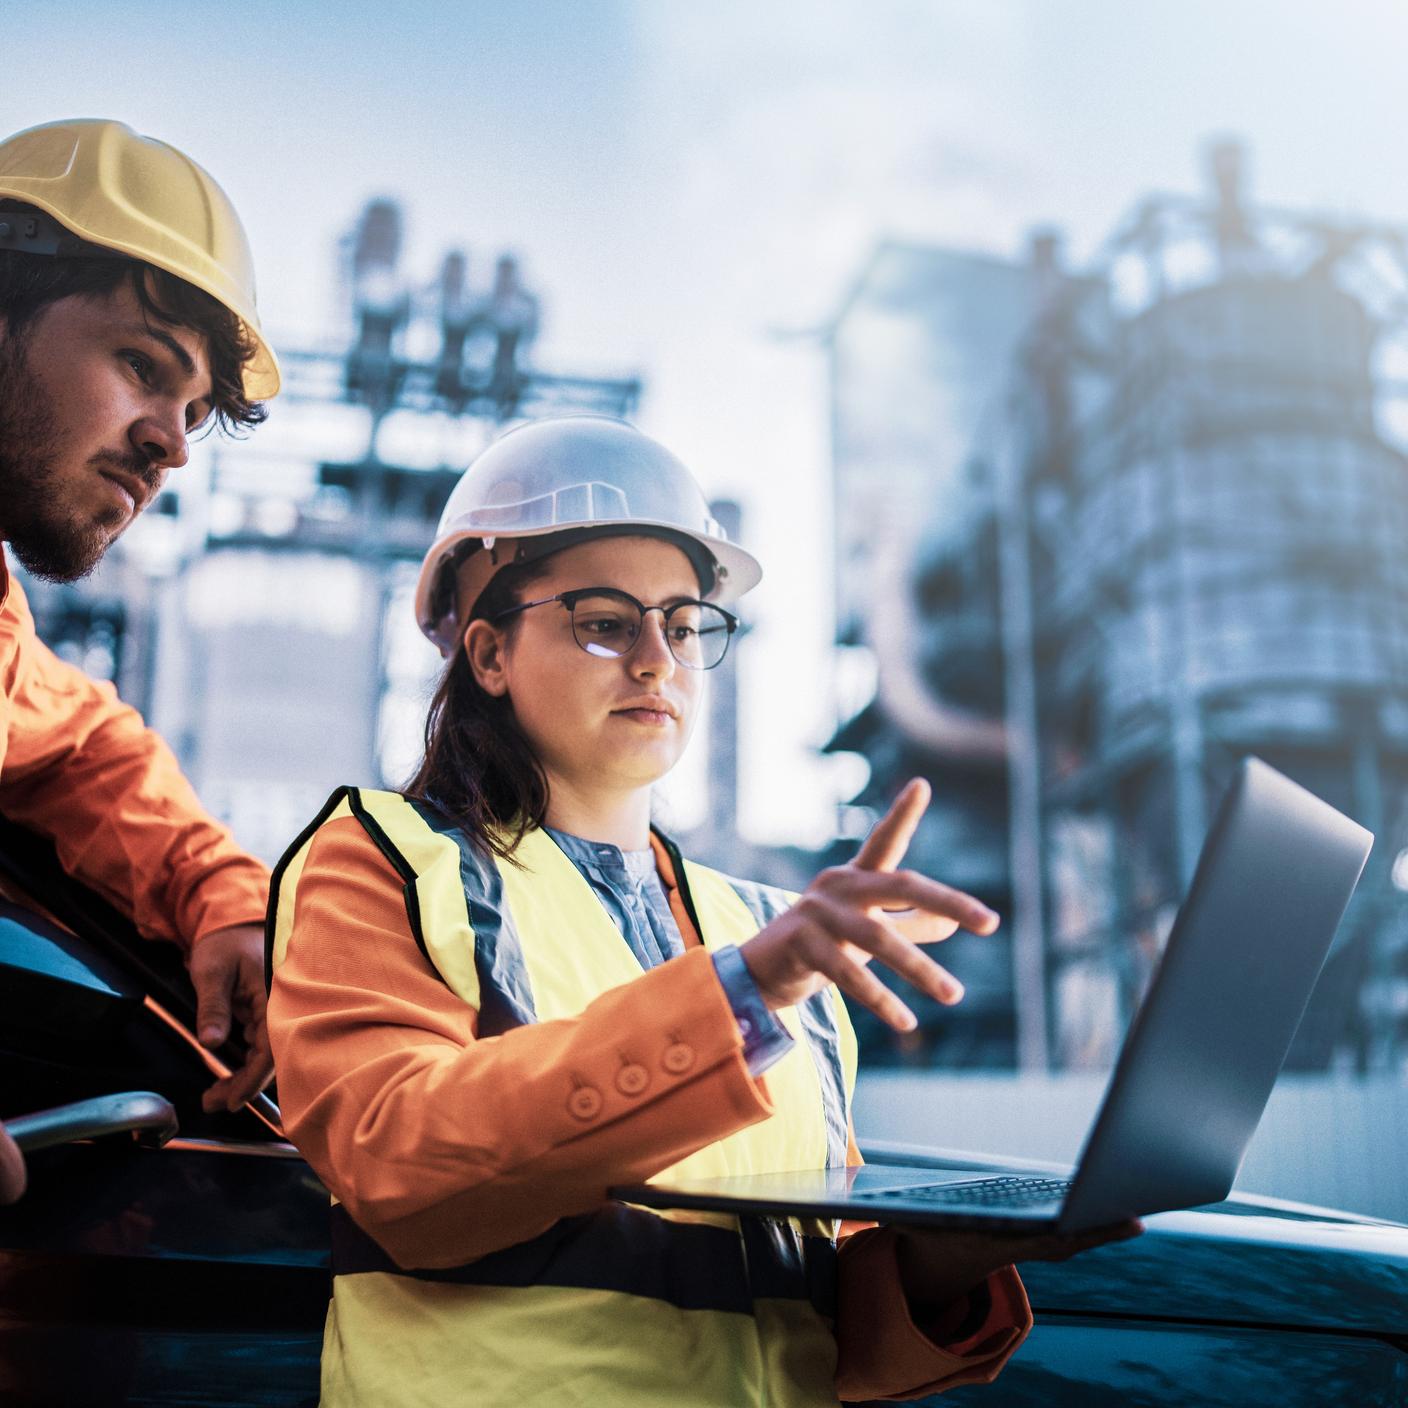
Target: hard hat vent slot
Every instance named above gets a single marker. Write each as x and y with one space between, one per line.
577 503
585 503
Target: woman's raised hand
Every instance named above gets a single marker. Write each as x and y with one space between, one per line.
862 910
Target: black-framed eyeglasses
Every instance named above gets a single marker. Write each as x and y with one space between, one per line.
607 623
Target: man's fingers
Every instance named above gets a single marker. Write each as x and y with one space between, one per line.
213 1097
239 1086
258 998
884 848
250 1080
12 1171
212 1006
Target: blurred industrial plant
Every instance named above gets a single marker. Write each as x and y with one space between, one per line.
1100 531
260 614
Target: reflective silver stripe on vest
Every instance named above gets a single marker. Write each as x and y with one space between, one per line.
506 998
818 1018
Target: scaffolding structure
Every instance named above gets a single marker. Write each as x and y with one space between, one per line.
1215 517
260 616
1187 545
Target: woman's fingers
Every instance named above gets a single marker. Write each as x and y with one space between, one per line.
847 904
920 927
876 938
884 848
907 889
862 985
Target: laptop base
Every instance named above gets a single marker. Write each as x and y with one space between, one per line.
873 1193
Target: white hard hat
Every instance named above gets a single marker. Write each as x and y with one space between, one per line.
579 476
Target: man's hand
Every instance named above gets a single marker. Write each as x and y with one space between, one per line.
227 968
938 1266
11 1168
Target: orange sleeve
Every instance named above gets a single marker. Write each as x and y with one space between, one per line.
883 1355
444 1146
81 768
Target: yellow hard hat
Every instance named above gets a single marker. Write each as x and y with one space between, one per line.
112 187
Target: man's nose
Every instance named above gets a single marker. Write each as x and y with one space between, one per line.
161 437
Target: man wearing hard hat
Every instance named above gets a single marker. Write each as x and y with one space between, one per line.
127 321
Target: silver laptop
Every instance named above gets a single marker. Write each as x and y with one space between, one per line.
1274 878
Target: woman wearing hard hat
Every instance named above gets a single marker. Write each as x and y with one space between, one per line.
502 992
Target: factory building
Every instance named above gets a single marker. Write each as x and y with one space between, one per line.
1178 537
915 351
260 614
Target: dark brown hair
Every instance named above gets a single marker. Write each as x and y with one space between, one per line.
30 282
479 769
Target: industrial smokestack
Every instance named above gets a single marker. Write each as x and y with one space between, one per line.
1226 166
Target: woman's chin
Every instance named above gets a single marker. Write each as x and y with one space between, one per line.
641 767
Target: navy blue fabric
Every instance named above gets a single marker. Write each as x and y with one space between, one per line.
765 1040
621 1248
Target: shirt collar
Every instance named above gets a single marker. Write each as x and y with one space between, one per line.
601 855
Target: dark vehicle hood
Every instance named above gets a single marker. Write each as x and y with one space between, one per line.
1249 1260
1245 1263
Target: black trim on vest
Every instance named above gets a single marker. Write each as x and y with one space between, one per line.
681 880
276 879
398 862
620 1248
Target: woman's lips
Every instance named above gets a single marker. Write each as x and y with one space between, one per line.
655 718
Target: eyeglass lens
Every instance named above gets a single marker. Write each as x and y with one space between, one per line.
608 625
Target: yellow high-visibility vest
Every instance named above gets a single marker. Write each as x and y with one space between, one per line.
626 1307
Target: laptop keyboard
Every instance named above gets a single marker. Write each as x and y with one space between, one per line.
984 1192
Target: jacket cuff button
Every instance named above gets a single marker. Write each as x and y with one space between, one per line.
632 1079
584 1103
678 1058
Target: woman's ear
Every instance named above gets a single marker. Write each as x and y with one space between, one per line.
484 649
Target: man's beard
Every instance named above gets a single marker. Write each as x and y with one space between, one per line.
52 543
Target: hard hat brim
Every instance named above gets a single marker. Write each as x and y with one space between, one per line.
260 376
738 570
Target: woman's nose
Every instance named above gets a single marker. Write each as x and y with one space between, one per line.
652 655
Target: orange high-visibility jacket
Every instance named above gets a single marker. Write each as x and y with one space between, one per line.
80 767
447 1144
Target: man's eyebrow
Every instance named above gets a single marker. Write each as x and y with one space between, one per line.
182 356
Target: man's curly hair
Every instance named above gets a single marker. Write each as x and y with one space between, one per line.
30 282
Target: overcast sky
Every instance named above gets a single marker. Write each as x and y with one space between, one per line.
684 181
